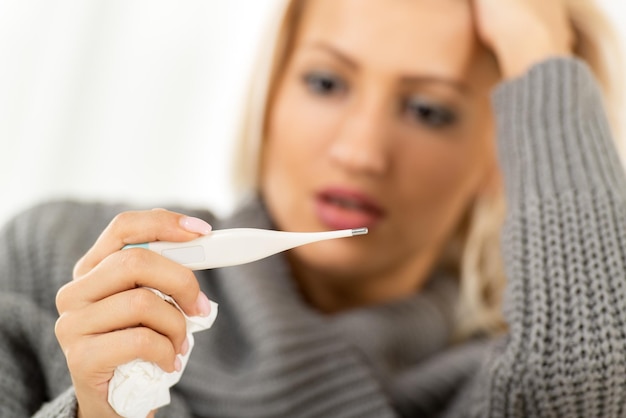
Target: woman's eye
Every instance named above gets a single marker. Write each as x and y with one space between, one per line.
431 114
324 84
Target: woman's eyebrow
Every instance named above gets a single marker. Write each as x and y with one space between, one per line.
336 52
410 80
458 85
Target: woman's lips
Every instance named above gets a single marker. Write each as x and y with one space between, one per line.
347 209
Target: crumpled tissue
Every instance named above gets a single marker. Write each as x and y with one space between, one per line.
139 386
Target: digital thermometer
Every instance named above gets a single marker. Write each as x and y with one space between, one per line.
229 247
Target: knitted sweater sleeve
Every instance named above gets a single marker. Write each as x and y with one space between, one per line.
37 251
564 245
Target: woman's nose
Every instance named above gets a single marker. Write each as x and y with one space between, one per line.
362 144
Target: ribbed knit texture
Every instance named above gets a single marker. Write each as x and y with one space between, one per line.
565 254
270 355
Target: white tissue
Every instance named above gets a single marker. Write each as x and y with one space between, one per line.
138 386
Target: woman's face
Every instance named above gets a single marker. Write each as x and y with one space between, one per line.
380 119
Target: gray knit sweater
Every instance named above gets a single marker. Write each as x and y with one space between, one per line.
269 354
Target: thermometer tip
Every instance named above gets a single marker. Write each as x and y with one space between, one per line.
359 231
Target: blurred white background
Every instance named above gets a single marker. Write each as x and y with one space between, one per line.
127 100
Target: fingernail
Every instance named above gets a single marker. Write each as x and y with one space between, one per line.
203 305
185 347
196 225
178 365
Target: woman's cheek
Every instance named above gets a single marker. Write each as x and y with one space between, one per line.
433 178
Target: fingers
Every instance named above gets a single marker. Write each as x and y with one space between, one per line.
133 308
523 32
137 227
100 354
93 359
129 269
105 269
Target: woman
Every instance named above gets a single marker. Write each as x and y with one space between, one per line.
376 114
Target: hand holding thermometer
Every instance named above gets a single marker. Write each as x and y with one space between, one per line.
140 386
229 247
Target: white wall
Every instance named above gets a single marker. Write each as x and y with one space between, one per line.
125 100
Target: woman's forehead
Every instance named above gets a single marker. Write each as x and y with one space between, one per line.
396 35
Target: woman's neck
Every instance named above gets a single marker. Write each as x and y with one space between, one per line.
332 292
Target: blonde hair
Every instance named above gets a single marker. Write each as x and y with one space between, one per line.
477 248
271 50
